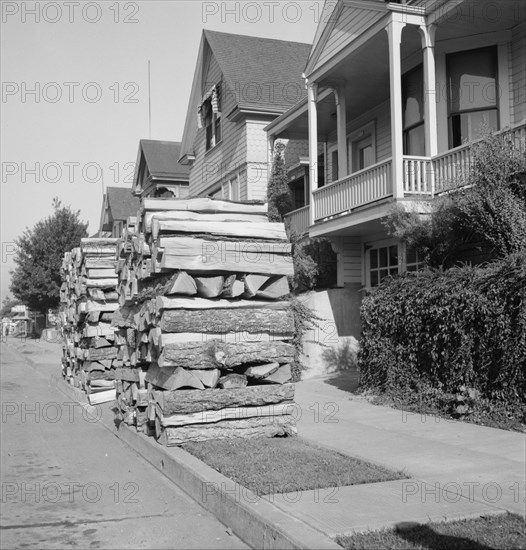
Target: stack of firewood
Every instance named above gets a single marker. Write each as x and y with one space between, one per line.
205 322
89 297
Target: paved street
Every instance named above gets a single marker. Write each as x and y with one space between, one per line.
67 482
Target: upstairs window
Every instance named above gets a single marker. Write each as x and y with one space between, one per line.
472 94
413 112
210 117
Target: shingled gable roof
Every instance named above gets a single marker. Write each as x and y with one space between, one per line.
162 159
263 73
121 202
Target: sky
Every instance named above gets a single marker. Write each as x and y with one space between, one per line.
74 99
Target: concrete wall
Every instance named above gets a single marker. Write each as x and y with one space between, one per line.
339 311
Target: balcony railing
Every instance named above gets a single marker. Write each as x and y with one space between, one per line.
418 176
368 185
422 176
298 220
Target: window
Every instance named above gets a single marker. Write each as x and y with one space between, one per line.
211 117
361 146
383 261
472 94
413 261
413 112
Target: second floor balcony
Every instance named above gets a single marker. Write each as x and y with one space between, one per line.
422 177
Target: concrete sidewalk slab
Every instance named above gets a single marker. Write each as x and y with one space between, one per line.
360 508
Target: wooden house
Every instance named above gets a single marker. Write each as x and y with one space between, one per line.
241 84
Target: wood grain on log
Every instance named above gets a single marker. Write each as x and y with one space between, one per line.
235 354
228 320
187 215
172 378
198 254
229 413
190 401
257 230
230 429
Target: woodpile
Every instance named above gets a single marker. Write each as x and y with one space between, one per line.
88 298
203 330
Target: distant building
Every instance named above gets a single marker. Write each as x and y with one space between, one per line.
158 172
117 206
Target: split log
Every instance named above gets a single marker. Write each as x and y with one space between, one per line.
173 283
102 397
255 320
274 289
100 273
232 381
235 354
189 401
253 283
130 375
199 254
103 262
188 215
209 287
165 302
101 353
125 316
100 306
232 287
173 378
191 355
204 205
109 282
229 429
165 339
240 230
96 294
231 413
280 376
261 371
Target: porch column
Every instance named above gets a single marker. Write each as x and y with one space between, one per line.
312 91
430 106
341 131
394 31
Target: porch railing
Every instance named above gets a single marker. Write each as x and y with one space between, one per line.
421 176
418 176
453 166
368 185
298 220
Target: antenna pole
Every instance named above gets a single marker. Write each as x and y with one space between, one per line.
149 103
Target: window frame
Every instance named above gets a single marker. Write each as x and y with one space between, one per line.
459 112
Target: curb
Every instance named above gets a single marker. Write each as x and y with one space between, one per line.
254 519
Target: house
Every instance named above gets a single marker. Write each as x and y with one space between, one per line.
396 91
241 83
118 204
158 172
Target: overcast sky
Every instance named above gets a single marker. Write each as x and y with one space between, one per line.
75 92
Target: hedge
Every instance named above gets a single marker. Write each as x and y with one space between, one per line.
449 337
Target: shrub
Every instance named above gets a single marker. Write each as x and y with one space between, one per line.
315 263
449 339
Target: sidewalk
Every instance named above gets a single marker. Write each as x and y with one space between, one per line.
456 469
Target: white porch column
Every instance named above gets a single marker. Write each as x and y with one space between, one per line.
394 31
312 91
430 105
341 131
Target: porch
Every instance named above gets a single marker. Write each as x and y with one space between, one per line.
423 177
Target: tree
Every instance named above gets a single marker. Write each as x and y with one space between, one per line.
278 193
7 304
35 280
486 209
